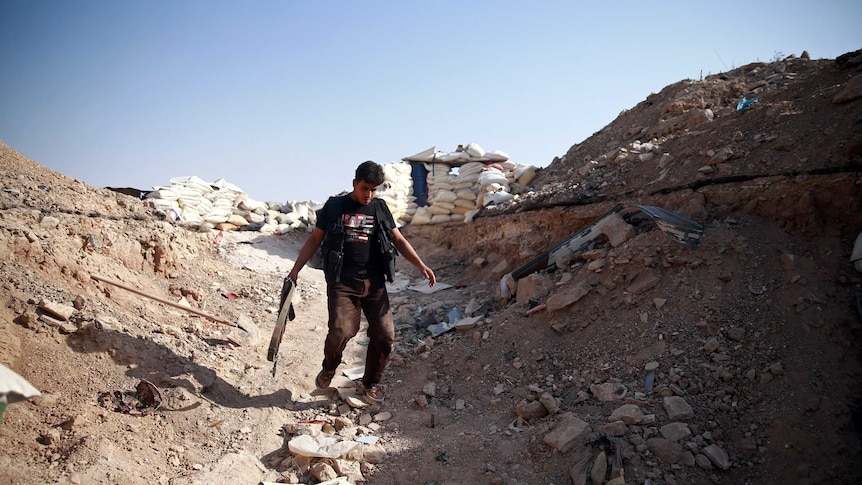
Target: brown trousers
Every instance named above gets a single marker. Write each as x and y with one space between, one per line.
346 300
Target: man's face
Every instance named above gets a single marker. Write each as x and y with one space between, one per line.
363 192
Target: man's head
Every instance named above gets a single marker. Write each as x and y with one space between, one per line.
369 176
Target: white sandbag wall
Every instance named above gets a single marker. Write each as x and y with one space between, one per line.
462 182
440 193
398 191
466 189
195 203
458 184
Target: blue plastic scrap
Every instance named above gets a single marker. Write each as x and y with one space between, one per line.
454 316
744 103
650 382
438 329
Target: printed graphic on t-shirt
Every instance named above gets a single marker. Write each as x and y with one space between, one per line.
358 228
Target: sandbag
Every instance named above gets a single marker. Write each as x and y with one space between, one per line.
496 156
492 176
217 214
497 197
163 193
495 187
421 216
474 150
164 204
465 194
468 217
526 176
470 168
444 204
321 446
225 186
443 196
435 209
190 201
470 204
454 157
466 181
423 156
194 183
15 388
437 168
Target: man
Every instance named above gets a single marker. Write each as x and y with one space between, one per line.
353 229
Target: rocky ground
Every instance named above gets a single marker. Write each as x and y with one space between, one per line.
734 362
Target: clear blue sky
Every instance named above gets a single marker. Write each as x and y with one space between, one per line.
285 98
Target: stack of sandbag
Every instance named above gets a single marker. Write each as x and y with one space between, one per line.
291 216
467 188
269 217
191 201
397 191
194 203
493 185
461 182
440 194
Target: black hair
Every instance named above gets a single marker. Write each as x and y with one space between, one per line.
369 172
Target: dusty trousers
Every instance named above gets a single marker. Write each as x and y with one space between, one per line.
345 302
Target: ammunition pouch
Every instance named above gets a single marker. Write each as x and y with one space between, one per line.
387 250
332 252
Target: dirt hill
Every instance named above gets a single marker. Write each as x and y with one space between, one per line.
734 362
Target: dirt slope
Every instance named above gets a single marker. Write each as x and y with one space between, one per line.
756 330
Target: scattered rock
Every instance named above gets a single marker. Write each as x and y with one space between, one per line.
535 286
676 431
608 391
500 269
852 90
711 345
531 410
616 229
736 334
644 282
717 456
615 428
628 414
430 389
703 462
569 430
665 450
677 408
549 402
568 296
382 416
322 471
58 310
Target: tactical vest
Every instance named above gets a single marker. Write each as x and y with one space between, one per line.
332 249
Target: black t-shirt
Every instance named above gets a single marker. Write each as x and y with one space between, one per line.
360 237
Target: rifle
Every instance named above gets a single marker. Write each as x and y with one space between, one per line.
285 313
